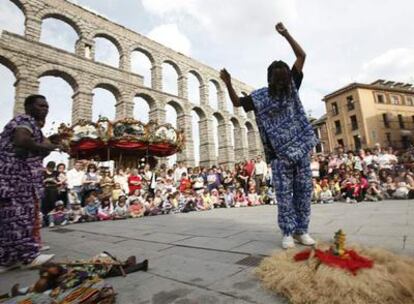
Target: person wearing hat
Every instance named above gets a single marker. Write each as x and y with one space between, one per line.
76 213
59 215
374 192
288 138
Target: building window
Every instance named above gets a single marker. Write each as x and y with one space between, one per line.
401 121
388 135
354 122
357 142
406 142
335 110
380 98
338 129
350 103
395 99
341 143
409 101
385 119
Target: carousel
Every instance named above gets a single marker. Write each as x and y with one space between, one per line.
124 141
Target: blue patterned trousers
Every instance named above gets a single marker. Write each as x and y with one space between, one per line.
293 186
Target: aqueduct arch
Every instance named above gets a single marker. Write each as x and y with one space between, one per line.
29 59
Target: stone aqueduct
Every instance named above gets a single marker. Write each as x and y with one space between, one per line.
30 60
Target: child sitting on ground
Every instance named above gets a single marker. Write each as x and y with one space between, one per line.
215 199
76 214
335 189
240 198
199 203
374 192
136 208
91 207
105 210
229 198
208 202
59 215
117 192
121 209
326 197
316 190
253 197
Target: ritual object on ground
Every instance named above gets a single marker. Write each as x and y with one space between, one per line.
336 273
79 281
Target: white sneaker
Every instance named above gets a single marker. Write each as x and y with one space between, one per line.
40 260
305 239
51 225
44 248
348 200
64 223
288 242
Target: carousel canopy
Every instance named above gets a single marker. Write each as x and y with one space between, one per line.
106 140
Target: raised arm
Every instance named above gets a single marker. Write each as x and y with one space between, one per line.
297 49
226 77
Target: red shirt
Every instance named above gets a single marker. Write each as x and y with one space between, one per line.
249 167
133 187
185 184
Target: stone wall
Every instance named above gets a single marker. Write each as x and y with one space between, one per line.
30 59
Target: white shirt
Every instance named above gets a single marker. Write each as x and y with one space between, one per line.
178 172
75 178
261 168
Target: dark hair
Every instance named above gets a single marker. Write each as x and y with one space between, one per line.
31 99
51 164
60 165
273 91
91 166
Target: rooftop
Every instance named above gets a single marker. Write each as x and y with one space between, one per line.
380 84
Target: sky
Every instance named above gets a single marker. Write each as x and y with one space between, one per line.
345 41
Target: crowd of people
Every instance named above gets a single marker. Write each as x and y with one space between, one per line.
89 193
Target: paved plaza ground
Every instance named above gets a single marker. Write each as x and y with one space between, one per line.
209 257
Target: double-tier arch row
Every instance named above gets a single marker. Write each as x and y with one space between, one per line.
29 59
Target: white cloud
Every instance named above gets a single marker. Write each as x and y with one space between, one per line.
395 64
170 35
231 18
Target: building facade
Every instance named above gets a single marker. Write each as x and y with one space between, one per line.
29 60
321 132
361 115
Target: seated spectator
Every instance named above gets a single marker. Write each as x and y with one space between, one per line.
189 202
105 209
215 199
152 206
59 215
211 180
374 192
335 189
169 181
229 197
404 185
91 207
199 202
389 187
253 198
136 195
348 187
316 190
167 205
116 193
121 209
76 214
185 183
361 186
240 199
136 208
325 196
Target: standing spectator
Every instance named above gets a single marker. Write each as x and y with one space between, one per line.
134 181
106 183
149 178
178 172
211 180
387 160
185 183
51 189
122 179
315 166
323 166
260 173
249 167
75 179
62 184
90 179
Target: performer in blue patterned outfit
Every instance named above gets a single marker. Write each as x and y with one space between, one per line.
22 149
288 139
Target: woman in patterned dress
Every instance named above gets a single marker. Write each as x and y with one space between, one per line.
22 149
